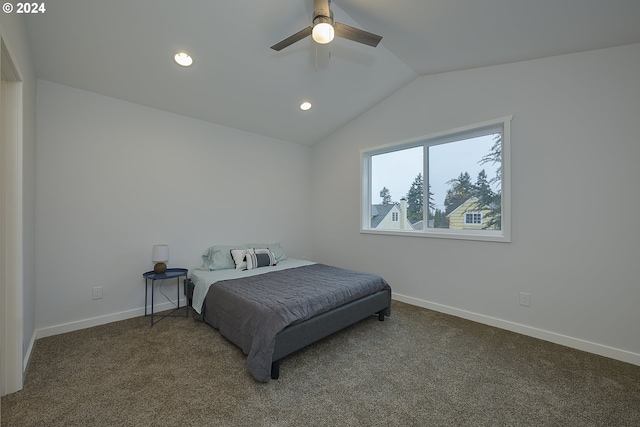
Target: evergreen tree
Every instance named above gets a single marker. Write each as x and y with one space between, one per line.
482 189
489 199
461 189
438 216
432 203
386 196
415 198
495 156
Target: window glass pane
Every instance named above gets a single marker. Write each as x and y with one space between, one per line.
392 177
465 183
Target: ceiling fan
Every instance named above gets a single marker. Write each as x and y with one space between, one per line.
324 28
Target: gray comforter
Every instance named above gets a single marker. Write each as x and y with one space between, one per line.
251 311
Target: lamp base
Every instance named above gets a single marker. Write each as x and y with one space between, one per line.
159 268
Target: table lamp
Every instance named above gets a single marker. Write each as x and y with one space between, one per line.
160 256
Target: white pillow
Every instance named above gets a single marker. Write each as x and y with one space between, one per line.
240 257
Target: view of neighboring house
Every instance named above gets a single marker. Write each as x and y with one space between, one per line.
390 216
468 216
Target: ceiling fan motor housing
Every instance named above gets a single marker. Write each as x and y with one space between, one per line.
323 19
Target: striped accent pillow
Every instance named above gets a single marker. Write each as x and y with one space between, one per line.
262 258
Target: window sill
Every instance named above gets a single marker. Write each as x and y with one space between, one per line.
484 235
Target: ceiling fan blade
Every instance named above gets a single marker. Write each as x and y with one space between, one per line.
356 34
292 39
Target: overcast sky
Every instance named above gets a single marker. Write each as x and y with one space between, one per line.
398 170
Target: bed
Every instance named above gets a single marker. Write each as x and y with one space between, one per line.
274 310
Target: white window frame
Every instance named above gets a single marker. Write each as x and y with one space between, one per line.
473 215
502 124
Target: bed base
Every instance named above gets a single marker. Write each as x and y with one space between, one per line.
300 335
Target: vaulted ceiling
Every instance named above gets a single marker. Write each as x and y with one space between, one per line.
124 49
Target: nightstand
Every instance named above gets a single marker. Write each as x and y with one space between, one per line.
171 273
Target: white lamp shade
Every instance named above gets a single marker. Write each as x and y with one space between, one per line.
160 253
323 33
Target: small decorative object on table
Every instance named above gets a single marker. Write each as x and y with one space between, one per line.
160 255
169 273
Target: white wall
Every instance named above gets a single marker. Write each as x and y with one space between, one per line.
13 31
115 178
575 200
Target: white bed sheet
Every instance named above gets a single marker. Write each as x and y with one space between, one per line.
203 279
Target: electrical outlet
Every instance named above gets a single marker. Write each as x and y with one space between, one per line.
97 292
525 299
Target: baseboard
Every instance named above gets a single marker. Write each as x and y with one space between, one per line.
102 320
579 344
576 343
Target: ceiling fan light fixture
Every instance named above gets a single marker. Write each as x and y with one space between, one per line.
183 58
323 31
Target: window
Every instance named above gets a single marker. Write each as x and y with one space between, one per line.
473 218
453 184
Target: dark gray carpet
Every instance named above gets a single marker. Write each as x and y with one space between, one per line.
417 368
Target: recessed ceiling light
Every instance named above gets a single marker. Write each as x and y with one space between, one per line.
305 106
183 58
